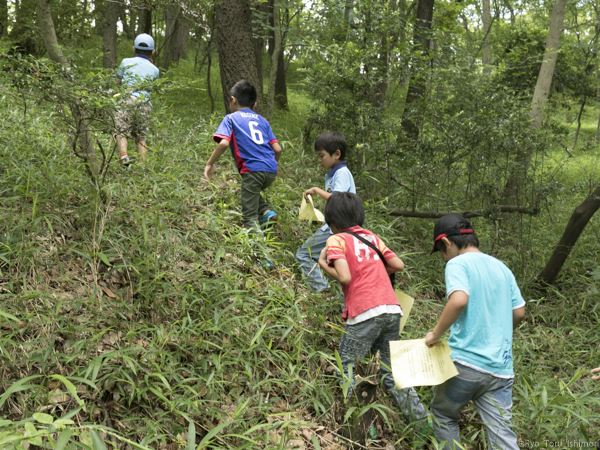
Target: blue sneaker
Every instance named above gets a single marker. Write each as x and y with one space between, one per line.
268 216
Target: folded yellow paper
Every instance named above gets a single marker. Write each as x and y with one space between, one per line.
309 212
415 364
406 303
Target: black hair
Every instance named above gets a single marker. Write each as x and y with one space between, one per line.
139 51
330 141
344 210
461 241
244 92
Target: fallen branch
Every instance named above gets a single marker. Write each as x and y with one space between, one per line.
467 214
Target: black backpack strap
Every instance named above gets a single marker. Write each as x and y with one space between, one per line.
368 243
374 247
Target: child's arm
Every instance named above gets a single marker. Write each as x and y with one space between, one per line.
339 271
394 265
209 168
317 191
277 149
596 370
518 315
454 307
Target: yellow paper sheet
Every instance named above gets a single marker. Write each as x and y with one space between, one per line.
309 212
415 364
406 303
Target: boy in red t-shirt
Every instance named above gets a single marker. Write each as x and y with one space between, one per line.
371 310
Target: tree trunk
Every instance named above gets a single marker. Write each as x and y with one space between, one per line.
348 14
579 116
277 52
127 21
237 60
21 31
263 13
3 18
110 15
417 83
544 81
83 135
176 35
486 51
520 168
281 100
577 223
145 20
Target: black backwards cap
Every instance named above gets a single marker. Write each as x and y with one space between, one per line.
450 225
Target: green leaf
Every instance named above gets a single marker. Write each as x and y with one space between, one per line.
61 423
8 316
63 439
43 418
32 434
17 386
191 436
206 440
97 442
104 259
70 387
349 413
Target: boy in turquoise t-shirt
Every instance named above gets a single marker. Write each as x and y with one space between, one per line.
484 305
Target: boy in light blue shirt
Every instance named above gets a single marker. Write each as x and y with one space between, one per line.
133 114
484 305
330 148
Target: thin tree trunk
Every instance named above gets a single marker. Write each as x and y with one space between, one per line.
281 100
417 83
544 80
486 51
3 18
579 115
577 223
237 60
128 21
145 20
274 55
597 136
21 31
540 98
83 135
110 15
176 35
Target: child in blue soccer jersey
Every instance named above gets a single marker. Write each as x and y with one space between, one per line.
331 151
484 305
255 151
133 114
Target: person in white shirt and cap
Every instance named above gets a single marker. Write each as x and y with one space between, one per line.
133 115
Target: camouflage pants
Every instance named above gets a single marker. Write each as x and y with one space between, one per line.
132 117
374 335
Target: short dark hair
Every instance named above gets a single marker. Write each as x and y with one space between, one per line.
330 141
139 51
244 92
461 241
344 210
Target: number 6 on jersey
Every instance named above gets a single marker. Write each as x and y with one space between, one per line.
255 133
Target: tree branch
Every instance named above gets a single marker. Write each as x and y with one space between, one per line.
482 213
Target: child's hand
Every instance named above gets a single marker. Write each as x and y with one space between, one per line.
209 171
596 370
310 191
431 339
323 257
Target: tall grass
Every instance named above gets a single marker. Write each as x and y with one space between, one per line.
142 319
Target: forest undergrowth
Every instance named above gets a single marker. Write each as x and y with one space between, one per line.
140 318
